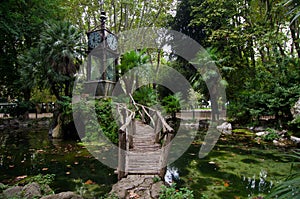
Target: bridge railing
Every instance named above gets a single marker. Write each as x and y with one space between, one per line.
164 133
126 132
162 130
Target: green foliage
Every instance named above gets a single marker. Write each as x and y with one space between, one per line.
290 188
20 30
42 179
21 108
3 187
293 9
64 106
122 15
173 193
104 123
106 119
146 96
156 179
295 123
109 196
132 59
61 49
272 135
172 104
257 60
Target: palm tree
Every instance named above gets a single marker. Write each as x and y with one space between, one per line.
62 50
294 8
129 61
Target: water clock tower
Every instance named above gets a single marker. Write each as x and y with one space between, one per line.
102 59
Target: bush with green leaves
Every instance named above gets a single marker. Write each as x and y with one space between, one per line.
109 127
295 125
145 95
173 193
272 135
172 104
103 122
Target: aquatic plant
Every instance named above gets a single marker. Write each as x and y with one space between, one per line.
173 193
290 188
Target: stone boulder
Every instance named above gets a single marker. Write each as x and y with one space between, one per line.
63 195
137 186
295 139
225 128
32 190
295 110
262 133
13 192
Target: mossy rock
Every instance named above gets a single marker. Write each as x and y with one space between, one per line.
246 132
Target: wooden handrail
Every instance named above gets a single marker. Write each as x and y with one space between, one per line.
162 131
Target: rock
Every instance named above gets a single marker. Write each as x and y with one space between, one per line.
295 110
259 129
31 190
225 128
137 186
262 133
275 142
155 189
63 195
295 139
46 190
13 192
282 133
56 132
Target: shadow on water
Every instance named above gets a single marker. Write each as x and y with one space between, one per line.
232 169
29 152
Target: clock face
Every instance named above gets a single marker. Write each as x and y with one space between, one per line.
94 39
112 42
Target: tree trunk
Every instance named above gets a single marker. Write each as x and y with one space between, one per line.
27 96
295 37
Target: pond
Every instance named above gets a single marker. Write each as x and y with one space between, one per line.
31 152
237 167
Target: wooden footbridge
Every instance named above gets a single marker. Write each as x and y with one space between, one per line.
144 141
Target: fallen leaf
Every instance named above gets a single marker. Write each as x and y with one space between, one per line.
21 177
226 184
44 169
11 166
76 163
237 197
68 172
89 182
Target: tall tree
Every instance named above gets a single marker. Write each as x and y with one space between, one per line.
21 23
61 51
122 15
253 50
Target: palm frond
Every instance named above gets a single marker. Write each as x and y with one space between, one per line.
290 188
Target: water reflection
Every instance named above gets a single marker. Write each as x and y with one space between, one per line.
32 152
256 185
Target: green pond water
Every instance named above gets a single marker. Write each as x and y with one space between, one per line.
236 168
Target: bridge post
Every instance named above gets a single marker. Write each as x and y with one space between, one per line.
122 155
